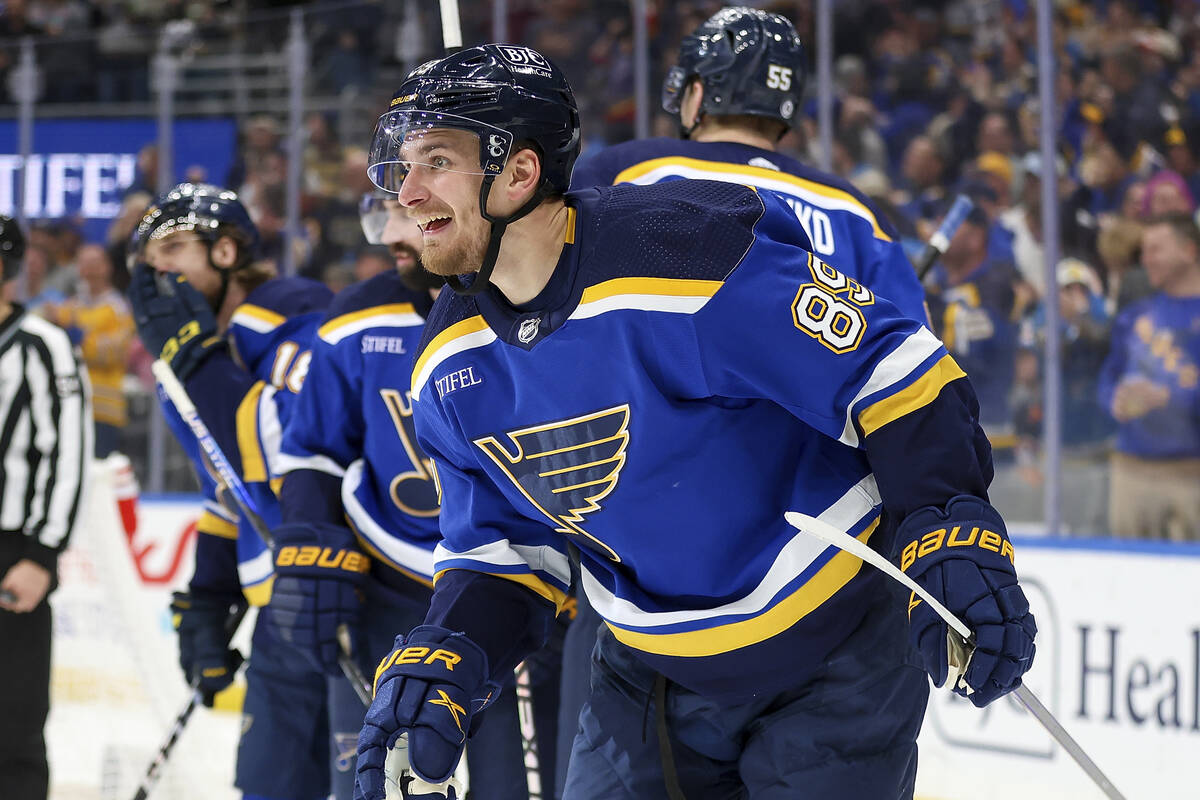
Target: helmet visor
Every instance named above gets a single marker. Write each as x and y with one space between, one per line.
672 90
373 215
410 140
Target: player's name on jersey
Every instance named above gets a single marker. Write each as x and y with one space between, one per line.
460 379
383 344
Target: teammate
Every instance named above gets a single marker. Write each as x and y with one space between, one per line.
647 378
349 455
737 88
45 454
237 337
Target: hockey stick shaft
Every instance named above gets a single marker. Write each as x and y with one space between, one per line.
451 29
233 483
154 771
940 241
844 541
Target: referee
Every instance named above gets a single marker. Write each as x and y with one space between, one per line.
45 442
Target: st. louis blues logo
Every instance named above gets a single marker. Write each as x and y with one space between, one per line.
565 468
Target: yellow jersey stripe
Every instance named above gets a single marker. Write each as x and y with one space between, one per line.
379 556
662 287
213 525
920 393
254 464
257 318
775 620
259 594
327 330
758 177
571 215
442 347
556 596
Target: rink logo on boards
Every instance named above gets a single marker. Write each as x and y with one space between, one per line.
1114 687
566 467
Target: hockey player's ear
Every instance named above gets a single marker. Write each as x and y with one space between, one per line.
689 105
523 173
224 252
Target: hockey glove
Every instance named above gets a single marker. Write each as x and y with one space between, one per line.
430 686
201 621
964 559
173 320
319 573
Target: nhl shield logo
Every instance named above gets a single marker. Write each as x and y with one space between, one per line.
528 330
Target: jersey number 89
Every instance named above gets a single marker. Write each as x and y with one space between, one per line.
827 309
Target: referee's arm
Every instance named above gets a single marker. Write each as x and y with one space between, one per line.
61 445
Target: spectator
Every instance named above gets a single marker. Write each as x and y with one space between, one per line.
1024 222
1167 193
1150 385
973 305
1120 245
33 289
133 206
924 171
98 321
260 141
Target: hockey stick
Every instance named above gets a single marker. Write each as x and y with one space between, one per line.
153 771
940 241
187 410
844 541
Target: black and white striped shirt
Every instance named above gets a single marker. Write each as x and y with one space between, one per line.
45 434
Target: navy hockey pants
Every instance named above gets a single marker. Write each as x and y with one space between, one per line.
850 733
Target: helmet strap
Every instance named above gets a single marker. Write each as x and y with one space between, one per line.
226 274
499 224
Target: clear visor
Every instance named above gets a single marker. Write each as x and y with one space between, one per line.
410 140
672 91
373 215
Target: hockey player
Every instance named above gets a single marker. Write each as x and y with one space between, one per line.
737 88
237 337
355 480
647 378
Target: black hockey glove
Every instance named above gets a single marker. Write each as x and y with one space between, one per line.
319 573
173 320
963 558
202 622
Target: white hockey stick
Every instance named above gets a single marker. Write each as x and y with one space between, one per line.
844 541
237 490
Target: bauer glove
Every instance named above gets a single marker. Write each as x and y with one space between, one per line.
430 687
202 622
319 574
173 320
963 558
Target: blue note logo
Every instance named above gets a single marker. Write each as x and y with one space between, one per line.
565 468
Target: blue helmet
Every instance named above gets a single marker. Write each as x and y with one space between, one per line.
12 246
749 61
505 94
209 211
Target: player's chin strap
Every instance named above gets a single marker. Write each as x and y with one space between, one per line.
226 274
499 224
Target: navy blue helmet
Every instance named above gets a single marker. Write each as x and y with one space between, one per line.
505 94
209 211
12 246
749 61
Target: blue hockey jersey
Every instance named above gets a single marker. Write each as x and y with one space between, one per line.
843 228
690 373
245 396
353 422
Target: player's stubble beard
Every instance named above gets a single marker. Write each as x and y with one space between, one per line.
413 275
460 254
